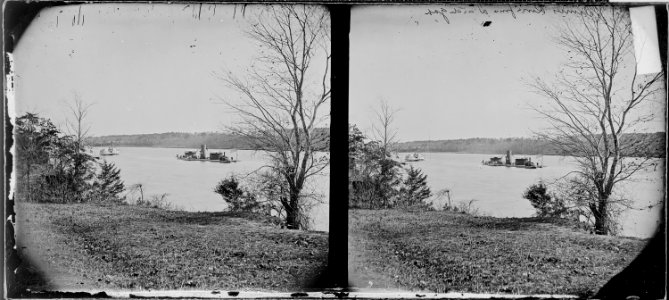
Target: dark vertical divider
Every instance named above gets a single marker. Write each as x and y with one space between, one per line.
338 238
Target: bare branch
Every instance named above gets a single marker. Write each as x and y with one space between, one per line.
589 111
281 105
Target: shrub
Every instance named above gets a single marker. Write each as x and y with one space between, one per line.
157 201
467 208
546 205
238 198
53 187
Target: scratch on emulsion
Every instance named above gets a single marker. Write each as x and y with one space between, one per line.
11 111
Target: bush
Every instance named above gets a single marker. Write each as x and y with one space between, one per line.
545 204
53 187
238 198
571 199
157 201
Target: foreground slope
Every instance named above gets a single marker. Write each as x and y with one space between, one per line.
124 247
445 251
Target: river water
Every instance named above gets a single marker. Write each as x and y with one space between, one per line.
190 184
497 190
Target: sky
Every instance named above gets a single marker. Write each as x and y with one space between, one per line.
144 68
150 68
450 77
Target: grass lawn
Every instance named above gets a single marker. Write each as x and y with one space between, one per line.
124 247
445 251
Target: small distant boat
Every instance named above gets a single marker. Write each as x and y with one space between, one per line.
109 151
414 157
89 151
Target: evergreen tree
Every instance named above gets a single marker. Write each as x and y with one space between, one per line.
108 182
415 189
35 138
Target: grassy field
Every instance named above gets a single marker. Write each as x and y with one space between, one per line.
445 251
124 247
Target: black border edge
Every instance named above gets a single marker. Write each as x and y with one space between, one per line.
338 238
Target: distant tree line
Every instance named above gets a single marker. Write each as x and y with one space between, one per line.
213 140
639 144
173 140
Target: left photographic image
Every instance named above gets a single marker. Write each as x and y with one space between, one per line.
171 147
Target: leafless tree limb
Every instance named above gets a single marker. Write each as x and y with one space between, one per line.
283 106
594 102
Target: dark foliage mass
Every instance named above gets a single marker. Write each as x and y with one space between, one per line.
377 181
54 167
415 189
108 183
546 205
238 199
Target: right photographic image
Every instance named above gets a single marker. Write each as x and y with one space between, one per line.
503 149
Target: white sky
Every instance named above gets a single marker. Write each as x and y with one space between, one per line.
455 79
147 68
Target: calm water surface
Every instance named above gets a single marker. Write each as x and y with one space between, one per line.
190 184
498 190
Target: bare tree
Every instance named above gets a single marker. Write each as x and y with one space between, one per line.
76 123
382 129
81 171
594 102
283 103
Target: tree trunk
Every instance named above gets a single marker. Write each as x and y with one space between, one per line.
27 182
602 218
293 211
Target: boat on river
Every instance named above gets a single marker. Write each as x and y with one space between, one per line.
204 155
109 151
510 162
89 151
413 157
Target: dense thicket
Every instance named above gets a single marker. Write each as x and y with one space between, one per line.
377 181
54 167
